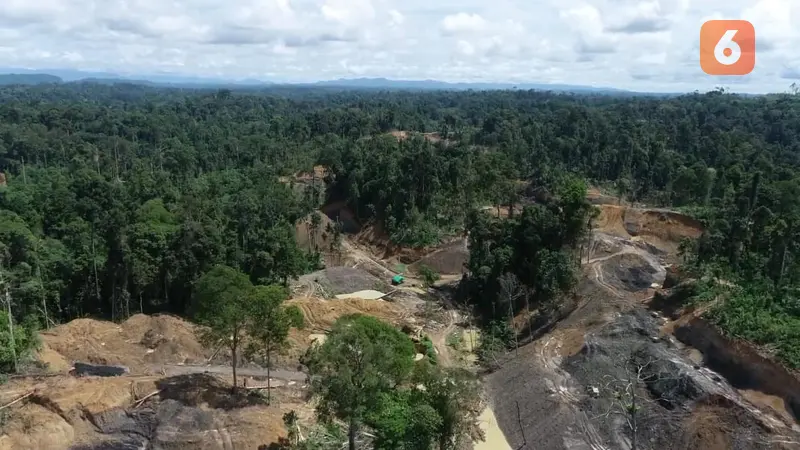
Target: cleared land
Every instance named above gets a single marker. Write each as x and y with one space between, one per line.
177 394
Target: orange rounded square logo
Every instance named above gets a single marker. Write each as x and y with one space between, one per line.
727 47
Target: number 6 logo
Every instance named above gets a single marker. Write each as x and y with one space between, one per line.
727 47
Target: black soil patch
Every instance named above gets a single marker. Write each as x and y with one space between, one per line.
630 272
448 260
677 407
203 389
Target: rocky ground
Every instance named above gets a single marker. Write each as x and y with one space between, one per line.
575 387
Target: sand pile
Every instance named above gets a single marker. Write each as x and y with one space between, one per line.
140 340
368 294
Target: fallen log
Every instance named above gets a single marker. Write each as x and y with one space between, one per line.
17 400
141 401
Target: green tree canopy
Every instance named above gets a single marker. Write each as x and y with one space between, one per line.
221 305
362 359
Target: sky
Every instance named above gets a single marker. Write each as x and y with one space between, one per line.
649 45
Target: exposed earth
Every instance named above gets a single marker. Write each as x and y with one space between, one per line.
559 391
572 388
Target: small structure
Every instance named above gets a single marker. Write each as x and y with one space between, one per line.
398 280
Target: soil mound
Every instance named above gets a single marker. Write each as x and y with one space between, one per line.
161 339
662 228
448 260
65 410
190 412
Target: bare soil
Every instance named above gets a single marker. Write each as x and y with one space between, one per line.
318 239
663 229
542 398
403 135
138 341
539 399
450 259
193 407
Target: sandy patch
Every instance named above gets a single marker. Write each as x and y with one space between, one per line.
318 338
54 360
368 294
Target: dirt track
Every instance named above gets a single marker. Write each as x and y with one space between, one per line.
556 420
540 404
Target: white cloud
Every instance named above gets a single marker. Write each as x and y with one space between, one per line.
638 44
397 17
465 48
463 23
348 12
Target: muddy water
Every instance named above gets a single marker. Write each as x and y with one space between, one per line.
768 402
494 437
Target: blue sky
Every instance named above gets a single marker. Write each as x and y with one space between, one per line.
633 44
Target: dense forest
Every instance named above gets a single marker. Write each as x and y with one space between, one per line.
118 198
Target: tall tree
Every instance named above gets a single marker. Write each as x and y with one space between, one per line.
269 323
221 305
362 359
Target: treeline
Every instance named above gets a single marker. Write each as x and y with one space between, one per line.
748 261
119 197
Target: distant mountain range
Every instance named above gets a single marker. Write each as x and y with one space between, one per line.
29 77
383 83
15 78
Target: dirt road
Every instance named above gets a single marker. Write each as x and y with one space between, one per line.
439 340
549 408
278 374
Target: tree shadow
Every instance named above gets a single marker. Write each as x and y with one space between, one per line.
282 444
198 389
